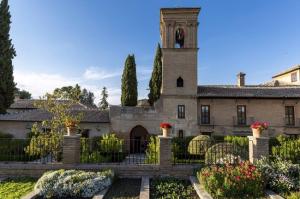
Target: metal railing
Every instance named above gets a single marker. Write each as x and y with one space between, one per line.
208 152
37 150
132 151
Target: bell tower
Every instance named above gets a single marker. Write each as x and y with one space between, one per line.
178 29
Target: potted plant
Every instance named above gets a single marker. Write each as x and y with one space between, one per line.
258 128
71 125
166 129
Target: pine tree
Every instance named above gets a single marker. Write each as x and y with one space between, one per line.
156 77
103 105
7 53
129 83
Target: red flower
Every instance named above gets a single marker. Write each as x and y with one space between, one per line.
238 178
260 125
165 125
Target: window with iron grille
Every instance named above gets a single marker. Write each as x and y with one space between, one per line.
241 115
205 114
180 133
289 116
181 111
294 77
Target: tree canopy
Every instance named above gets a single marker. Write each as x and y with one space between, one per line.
156 77
129 83
7 53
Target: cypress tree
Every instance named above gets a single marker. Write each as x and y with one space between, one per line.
7 53
129 83
156 77
103 105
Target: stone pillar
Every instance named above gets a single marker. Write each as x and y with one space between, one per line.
71 149
258 147
165 151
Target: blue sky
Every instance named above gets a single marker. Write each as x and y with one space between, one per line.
64 42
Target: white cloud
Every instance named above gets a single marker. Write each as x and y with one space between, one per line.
96 73
40 83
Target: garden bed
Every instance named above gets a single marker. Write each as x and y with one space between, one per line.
171 188
16 188
125 189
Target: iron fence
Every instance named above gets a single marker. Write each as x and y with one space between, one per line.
132 151
45 150
208 152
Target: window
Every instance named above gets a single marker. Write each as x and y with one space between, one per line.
85 133
289 116
205 114
179 82
294 77
179 38
181 111
241 115
180 133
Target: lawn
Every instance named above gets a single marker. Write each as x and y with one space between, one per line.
16 188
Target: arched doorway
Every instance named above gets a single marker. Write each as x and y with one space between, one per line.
138 139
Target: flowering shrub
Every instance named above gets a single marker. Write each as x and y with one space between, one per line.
73 183
165 125
281 176
260 125
240 181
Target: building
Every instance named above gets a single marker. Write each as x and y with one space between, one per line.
190 108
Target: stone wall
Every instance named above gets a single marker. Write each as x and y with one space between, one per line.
224 111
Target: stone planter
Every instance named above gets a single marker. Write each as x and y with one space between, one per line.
166 132
71 130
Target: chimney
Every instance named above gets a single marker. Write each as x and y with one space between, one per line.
17 97
241 79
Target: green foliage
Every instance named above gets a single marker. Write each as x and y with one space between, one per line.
23 94
103 104
222 153
294 195
5 135
171 188
240 181
106 148
110 143
199 144
59 106
239 140
7 53
87 98
14 150
156 77
68 93
16 188
129 83
152 152
287 148
280 175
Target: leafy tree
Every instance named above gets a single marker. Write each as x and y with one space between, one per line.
49 143
87 98
129 83
68 93
103 102
7 53
23 94
156 77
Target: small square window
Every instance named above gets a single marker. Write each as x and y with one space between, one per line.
180 133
